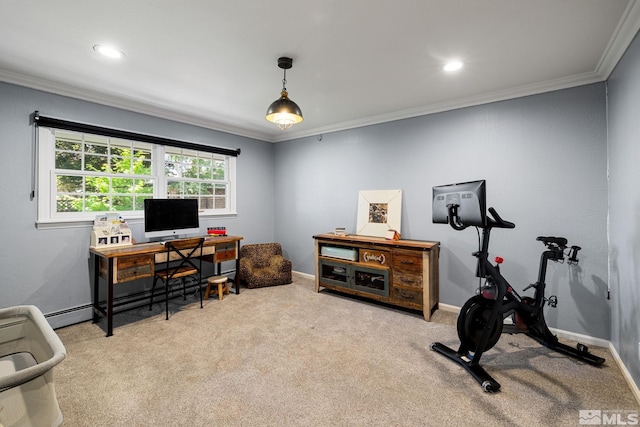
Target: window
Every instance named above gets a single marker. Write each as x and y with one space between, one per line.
192 174
81 174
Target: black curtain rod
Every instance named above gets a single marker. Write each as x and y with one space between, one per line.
117 133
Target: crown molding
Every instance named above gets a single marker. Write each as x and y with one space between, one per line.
627 28
116 101
502 95
139 107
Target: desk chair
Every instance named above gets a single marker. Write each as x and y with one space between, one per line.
184 259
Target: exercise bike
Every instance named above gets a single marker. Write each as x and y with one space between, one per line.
482 318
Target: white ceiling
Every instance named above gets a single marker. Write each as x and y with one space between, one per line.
213 63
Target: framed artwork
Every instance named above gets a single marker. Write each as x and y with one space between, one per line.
378 212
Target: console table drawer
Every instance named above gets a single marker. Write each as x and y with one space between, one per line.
407 296
133 267
407 261
407 279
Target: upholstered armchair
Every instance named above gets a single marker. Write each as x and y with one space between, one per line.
262 264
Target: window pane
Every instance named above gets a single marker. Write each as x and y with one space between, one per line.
206 203
122 185
120 147
205 168
68 160
95 163
97 184
139 202
174 188
122 203
69 184
192 188
142 151
221 190
143 186
96 144
221 203
206 189
172 169
65 203
97 203
68 141
190 167
142 167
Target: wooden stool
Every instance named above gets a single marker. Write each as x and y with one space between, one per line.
220 282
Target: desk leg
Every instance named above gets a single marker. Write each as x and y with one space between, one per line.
110 299
96 288
237 281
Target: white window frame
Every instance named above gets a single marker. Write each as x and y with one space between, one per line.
47 216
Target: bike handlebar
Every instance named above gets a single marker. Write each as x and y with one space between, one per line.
497 222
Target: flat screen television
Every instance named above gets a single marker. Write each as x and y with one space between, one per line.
460 205
170 218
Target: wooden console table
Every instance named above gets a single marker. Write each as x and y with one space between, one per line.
403 273
125 263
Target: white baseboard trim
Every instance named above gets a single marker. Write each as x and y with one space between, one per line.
625 372
305 275
448 308
584 339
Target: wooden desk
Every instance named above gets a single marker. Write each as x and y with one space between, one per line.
125 263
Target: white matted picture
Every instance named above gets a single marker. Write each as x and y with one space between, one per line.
378 212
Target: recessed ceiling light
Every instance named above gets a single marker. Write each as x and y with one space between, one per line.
108 51
452 66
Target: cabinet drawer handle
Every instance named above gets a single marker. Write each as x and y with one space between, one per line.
406 296
407 281
406 262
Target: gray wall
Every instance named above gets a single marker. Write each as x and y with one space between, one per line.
50 268
544 158
624 200
545 161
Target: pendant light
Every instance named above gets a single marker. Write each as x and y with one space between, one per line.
283 111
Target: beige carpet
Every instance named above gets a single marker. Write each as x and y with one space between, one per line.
287 356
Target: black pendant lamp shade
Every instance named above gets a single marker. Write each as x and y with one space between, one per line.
283 111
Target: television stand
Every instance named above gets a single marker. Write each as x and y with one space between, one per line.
402 273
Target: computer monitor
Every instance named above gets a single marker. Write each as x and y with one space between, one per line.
170 218
465 201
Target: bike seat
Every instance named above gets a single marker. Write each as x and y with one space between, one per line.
560 241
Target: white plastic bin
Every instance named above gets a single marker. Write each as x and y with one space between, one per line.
29 349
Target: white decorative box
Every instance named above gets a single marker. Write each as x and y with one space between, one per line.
341 253
110 230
